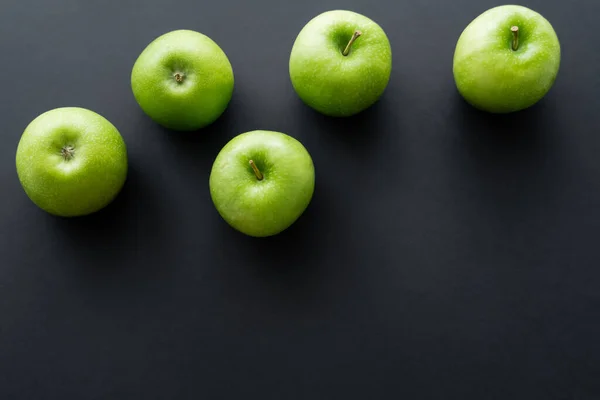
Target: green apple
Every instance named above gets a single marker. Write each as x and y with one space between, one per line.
506 60
340 63
183 80
261 182
71 161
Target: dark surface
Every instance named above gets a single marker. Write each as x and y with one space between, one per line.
447 253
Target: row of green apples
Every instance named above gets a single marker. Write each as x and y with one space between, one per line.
73 162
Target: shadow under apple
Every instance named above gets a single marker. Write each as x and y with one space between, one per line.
502 135
519 143
115 241
200 146
360 133
510 166
288 270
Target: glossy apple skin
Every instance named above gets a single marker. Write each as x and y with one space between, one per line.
205 87
334 84
83 184
264 207
493 77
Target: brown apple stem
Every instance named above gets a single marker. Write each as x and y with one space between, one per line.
355 36
179 77
515 43
259 176
67 152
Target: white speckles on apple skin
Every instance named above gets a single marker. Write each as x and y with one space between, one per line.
265 207
82 185
202 96
334 84
493 77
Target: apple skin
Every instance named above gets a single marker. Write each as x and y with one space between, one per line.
206 85
493 77
83 184
334 84
264 207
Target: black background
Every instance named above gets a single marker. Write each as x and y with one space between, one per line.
447 253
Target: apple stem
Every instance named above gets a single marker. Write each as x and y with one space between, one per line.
178 77
355 36
259 176
515 43
67 152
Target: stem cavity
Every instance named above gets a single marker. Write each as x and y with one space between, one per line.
259 176
67 152
355 36
515 42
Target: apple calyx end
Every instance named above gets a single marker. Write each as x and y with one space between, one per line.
67 152
355 36
178 77
515 42
257 172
